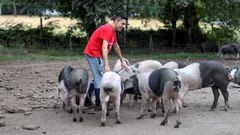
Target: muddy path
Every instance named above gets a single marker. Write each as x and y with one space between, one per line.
28 92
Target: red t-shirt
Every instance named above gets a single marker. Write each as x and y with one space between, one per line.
94 45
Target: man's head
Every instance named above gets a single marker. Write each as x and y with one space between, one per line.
119 22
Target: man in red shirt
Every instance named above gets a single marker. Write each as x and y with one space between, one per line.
96 53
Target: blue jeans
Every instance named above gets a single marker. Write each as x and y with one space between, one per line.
96 67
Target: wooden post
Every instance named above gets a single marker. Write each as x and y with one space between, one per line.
151 43
14 9
0 8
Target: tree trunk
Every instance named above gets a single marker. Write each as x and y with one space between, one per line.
0 8
151 42
70 42
187 24
126 30
191 25
14 9
90 27
40 31
41 23
174 27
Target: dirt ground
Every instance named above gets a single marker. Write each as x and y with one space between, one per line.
28 92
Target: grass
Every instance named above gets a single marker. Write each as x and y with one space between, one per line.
16 54
167 54
11 55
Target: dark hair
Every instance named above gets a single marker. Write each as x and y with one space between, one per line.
120 16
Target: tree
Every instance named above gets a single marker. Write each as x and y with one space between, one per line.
171 13
226 13
36 7
90 13
0 8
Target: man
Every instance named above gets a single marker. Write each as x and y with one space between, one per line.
96 53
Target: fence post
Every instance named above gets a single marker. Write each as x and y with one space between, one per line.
151 43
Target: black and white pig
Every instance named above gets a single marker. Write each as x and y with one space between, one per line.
110 89
205 74
117 66
131 88
234 75
229 49
131 84
140 67
173 65
163 83
74 82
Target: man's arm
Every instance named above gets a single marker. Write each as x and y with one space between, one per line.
119 54
105 56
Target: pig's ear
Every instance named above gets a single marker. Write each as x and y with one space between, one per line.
177 83
228 69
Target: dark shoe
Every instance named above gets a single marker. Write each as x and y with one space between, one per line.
88 103
97 108
97 97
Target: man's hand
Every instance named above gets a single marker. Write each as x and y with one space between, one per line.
124 64
107 68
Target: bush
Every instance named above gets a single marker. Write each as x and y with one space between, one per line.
160 38
221 35
1 47
22 36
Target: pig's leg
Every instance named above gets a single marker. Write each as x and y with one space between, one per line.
225 96
74 107
81 108
145 99
108 107
177 103
58 93
183 95
104 111
167 106
117 109
131 97
163 109
123 97
216 96
67 103
154 106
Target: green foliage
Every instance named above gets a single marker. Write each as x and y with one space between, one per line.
18 36
20 54
36 7
161 38
167 54
90 13
6 6
226 11
1 47
221 35
8 36
11 54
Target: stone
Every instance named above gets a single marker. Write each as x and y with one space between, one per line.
2 123
27 113
11 109
24 109
30 127
1 116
